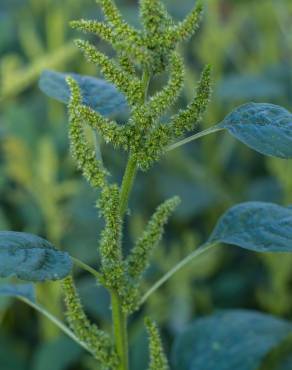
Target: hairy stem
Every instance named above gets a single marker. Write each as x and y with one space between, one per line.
119 318
127 184
120 331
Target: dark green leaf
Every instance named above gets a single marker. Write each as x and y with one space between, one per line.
266 128
31 258
258 226
98 94
235 339
18 290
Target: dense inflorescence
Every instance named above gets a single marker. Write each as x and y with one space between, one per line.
140 55
149 52
158 359
97 341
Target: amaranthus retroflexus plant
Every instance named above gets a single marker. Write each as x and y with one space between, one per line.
142 54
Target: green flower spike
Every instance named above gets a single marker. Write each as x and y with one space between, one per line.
110 131
145 117
97 341
134 49
110 245
84 155
115 20
169 94
185 29
155 20
99 28
138 260
161 34
127 84
187 119
158 360
183 122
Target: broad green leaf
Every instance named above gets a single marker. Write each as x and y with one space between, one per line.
31 258
266 128
18 290
257 226
98 94
229 340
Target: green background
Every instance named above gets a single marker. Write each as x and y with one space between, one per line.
249 45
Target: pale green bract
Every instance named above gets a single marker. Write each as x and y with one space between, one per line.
229 340
257 226
31 258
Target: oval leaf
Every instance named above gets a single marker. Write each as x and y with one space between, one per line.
18 290
229 340
266 128
98 94
257 226
31 258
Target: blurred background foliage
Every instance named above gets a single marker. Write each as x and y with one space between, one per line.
249 44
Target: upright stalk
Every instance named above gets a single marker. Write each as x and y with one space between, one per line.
127 184
120 331
119 318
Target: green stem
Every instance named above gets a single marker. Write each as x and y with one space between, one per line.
118 317
194 137
56 321
87 268
120 331
127 184
175 269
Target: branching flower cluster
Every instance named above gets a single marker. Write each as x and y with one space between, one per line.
140 55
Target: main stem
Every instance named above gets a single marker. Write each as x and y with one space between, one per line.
118 316
120 331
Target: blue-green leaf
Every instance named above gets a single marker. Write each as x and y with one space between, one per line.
229 340
266 128
258 226
98 94
18 290
31 258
